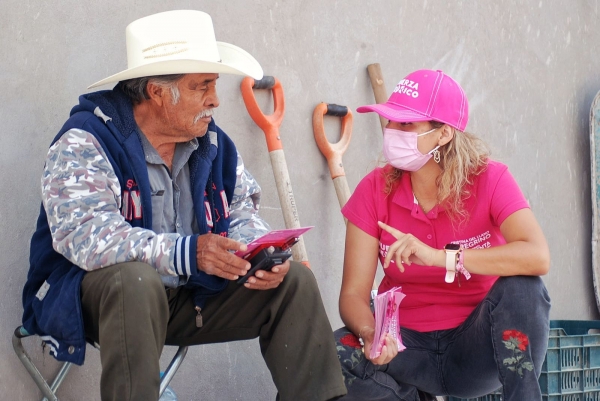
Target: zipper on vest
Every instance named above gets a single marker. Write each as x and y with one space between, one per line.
198 317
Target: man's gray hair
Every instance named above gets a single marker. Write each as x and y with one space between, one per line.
135 88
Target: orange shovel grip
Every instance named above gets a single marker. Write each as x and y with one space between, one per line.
332 152
268 123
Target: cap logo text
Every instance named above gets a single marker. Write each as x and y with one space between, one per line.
408 87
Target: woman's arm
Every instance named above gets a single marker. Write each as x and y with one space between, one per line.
360 265
525 252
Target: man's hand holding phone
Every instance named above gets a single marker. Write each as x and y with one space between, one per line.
268 279
269 257
268 267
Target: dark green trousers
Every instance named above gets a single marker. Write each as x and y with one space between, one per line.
129 313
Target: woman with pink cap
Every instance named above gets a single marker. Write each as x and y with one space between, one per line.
452 228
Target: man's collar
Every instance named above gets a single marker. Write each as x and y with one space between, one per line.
151 153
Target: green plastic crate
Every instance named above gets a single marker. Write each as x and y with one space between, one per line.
571 370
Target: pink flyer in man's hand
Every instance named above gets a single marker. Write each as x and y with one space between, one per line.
277 238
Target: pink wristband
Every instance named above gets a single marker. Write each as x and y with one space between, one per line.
460 266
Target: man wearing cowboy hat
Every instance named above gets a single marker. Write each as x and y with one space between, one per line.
143 199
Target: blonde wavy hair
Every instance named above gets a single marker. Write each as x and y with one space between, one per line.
462 159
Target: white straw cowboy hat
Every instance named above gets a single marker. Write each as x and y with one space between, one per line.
180 42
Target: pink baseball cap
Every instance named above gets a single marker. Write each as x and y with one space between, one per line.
425 95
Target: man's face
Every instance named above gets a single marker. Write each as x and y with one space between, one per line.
191 114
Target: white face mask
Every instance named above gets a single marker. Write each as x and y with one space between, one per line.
401 151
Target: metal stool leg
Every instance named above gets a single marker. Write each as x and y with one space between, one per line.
172 369
47 391
60 376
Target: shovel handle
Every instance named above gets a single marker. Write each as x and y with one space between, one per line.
333 151
268 123
378 87
270 126
287 202
342 190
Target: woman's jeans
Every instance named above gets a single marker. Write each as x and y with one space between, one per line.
502 343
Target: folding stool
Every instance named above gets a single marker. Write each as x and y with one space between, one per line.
49 390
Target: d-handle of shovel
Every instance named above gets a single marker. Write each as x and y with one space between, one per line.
270 126
268 123
333 152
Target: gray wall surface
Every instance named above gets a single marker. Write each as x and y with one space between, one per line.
528 68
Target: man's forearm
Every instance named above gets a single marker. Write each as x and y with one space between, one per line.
81 196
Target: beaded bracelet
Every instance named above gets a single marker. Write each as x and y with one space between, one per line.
360 339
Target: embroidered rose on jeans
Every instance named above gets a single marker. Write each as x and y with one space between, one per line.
516 342
350 354
350 340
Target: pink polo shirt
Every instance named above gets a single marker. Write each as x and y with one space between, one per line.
430 303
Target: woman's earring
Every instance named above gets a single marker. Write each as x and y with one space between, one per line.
436 156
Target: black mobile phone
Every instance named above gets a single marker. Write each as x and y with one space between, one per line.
265 259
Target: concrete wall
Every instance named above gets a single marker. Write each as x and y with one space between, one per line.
530 73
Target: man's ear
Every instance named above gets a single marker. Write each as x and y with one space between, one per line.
155 93
447 135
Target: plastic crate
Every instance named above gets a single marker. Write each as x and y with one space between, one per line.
571 370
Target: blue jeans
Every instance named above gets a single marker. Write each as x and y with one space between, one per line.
502 343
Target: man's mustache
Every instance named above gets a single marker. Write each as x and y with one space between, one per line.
202 114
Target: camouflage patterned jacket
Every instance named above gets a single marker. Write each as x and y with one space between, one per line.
96 211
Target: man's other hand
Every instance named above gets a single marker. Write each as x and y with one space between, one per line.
266 280
214 258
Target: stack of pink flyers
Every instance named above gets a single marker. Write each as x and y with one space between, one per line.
387 319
